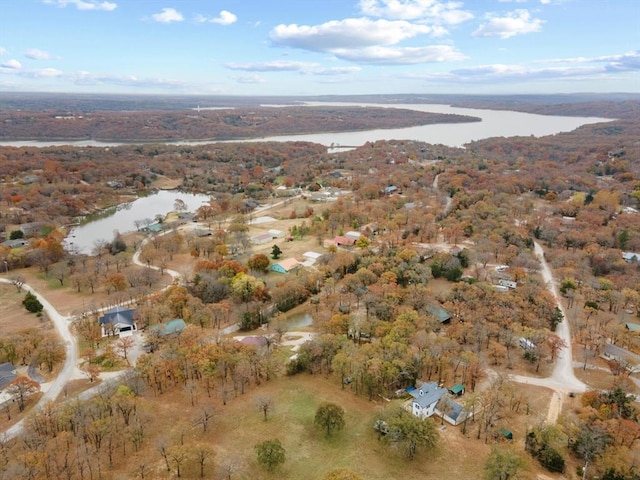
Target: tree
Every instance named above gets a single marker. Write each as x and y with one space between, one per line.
31 303
408 433
202 454
342 474
276 252
330 417
179 454
21 388
503 464
259 263
591 442
265 404
270 454
124 344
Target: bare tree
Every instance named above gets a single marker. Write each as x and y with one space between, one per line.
265 404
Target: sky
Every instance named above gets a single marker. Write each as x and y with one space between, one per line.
320 47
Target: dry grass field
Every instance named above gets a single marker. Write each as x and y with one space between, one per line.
240 424
14 317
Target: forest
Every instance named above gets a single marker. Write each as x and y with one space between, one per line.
458 224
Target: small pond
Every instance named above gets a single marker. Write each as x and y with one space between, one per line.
126 217
298 320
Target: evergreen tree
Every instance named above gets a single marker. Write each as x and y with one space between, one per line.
31 303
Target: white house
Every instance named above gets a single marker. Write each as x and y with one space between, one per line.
431 399
118 321
425 399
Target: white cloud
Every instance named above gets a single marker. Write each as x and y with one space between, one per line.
3 51
380 55
346 34
447 13
574 69
167 15
84 4
275 66
87 78
514 23
36 54
12 64
224 18
301 67
334 71
43 72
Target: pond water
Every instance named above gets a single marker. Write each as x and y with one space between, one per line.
123 218
298 320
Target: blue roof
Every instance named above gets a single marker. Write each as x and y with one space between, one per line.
428 394
454 409
173 326
118 315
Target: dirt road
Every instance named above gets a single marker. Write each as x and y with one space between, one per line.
562 380
53 389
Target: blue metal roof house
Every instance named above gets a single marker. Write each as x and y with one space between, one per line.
117 320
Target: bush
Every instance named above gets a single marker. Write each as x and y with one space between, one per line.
551 459
31 303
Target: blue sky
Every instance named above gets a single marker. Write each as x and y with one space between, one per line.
316 47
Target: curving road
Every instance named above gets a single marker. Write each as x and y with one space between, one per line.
54 389
562 380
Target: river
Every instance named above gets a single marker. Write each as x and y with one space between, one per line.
495 123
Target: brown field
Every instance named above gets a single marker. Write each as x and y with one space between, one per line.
13 316
239 425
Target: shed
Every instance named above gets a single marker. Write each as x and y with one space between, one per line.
442 315
285 266
172 327
457 389
506 433
342 240
632 327
276 233
261 239
311 255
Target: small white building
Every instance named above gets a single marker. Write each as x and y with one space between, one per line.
276 233
261 239
526 343
508 284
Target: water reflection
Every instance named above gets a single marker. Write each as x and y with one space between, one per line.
127 217
298 320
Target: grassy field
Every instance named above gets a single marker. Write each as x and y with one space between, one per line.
240 424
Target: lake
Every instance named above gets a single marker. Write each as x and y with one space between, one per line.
123 218
495 123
